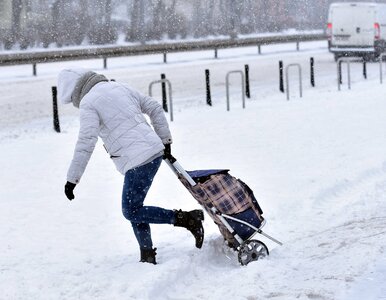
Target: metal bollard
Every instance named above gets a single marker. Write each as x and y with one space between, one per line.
281 80
170 94
242 87
55 109
208 94
164 97
312 71
300 79
247 90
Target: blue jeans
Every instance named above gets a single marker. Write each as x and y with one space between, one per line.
136 185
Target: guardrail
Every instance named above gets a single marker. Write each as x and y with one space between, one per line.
104 52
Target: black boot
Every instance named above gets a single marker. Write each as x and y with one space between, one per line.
191 220
148 255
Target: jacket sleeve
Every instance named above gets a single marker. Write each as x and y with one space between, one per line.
88 136
158 120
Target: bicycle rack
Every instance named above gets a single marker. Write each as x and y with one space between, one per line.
170 93
242 87
346 60
380 66
287 79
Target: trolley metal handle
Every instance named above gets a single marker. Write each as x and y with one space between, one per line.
179 170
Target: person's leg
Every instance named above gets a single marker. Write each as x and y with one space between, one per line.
143 234
136 185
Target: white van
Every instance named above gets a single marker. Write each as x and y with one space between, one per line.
357 29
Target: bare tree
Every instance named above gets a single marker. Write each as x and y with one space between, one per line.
197 19
158 11
172 20
69 21
137 29
17 6
209 15
224 17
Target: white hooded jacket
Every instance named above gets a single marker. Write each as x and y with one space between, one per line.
114 112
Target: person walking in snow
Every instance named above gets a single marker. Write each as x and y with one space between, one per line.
115 112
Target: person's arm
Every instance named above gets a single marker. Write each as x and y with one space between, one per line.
88 136
158 120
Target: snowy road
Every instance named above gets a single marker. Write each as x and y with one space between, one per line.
24 97
317 166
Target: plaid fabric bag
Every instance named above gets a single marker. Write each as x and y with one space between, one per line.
227 194
223 191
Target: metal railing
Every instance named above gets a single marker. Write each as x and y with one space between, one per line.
299 67
104 52
346 60
242 87
381 59
170 94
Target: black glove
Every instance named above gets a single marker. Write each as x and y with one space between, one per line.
167 152
69 190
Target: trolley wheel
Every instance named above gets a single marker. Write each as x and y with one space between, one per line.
251 251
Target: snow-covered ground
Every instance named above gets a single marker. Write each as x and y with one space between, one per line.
317 165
